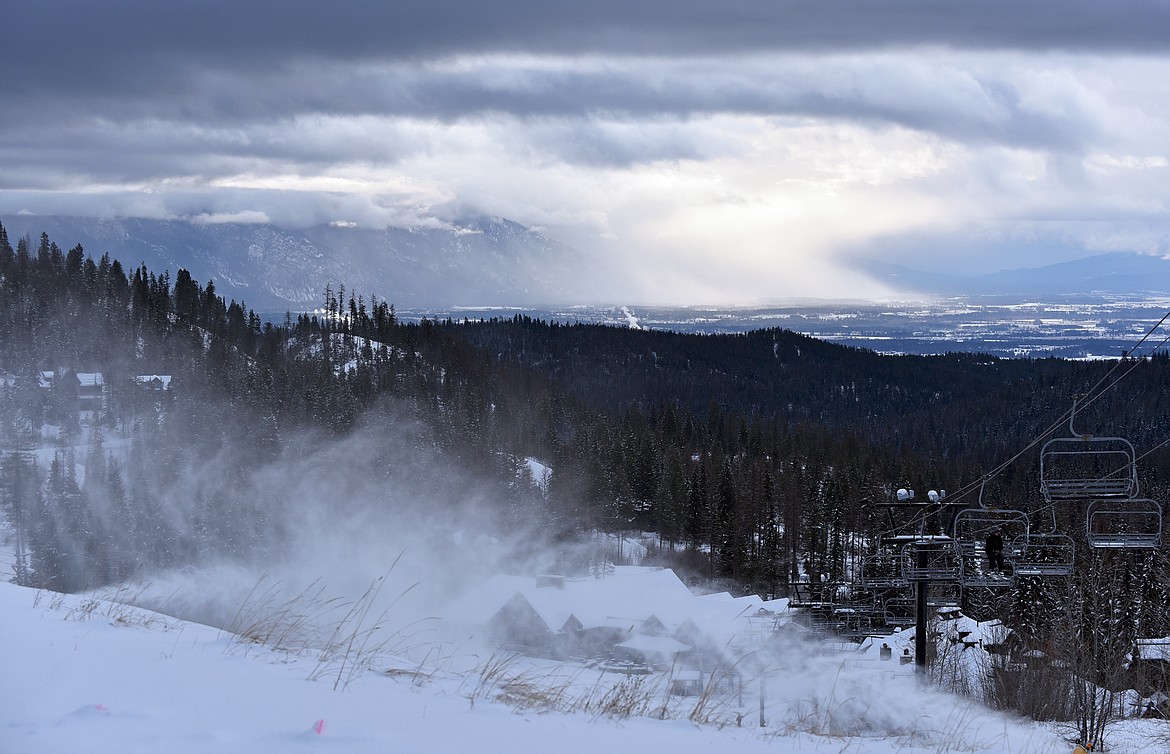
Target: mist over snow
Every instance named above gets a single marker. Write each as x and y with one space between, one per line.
324 633
379 508
81 674
368 537
373 535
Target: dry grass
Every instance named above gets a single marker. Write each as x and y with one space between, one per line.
287 624
512 680
114 605
307 624
356 643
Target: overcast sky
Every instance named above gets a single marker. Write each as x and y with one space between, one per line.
724 151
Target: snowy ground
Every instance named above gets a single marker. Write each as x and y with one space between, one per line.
81 673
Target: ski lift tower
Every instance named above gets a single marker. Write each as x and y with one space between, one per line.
919 529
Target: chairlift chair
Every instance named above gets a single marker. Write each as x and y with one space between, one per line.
807 594
1044 554
973 572
1084 467
899 612
973 525
884 570
857 620
1124 524
1087 467
972 528
945 594
815 603
932 559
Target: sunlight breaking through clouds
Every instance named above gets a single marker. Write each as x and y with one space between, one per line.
768 160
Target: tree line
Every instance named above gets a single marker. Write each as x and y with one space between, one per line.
756 458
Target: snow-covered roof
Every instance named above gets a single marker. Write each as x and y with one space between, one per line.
540 473
90 379
777 605
624 599
484 601
1153 649
716 615
147 379
552 605
661 646
992 631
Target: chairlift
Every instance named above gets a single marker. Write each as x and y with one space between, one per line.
804 593
884 570
814 603
1044 554
972 527
932 559
1124 524
817 618
857 619
899 612
945 594
1084 467
975 574
911 517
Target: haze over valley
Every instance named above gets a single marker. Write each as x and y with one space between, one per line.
1091 307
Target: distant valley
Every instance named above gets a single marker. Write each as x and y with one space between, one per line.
1094 307
1073 327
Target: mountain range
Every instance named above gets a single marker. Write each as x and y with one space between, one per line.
483 261
1113 274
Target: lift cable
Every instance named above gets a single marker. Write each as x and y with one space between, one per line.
1068 415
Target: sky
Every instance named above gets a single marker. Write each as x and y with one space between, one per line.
720 152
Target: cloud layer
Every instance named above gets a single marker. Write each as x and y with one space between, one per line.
722 152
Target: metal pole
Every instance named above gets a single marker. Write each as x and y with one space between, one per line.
763 686
921 586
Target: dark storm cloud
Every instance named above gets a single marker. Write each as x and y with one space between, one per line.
74 69
146 46
239 114
676 128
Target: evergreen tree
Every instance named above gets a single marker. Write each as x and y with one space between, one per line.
22 503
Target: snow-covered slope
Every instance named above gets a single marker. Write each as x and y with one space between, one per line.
81 674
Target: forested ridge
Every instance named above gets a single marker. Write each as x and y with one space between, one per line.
753 456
